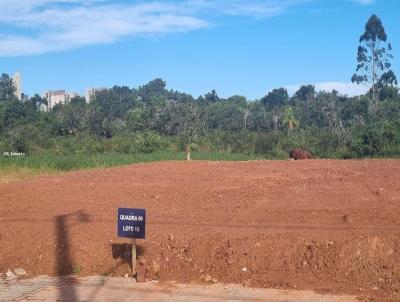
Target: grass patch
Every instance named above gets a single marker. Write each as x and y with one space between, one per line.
61 162
16 168
223 156
13 173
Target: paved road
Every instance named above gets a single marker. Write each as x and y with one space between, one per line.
99 289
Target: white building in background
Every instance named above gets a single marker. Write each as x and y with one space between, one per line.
71 95
17 81
91 92
55 97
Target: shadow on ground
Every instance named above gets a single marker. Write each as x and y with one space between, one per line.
64 262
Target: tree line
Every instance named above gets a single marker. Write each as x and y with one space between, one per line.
151 117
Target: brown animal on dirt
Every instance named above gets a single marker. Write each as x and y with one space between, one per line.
299 153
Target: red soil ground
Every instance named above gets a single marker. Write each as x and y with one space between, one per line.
329 226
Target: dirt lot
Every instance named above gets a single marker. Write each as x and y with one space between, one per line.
328 226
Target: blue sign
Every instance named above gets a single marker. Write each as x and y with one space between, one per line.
131 223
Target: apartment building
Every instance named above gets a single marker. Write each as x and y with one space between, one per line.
54 97
17 82
91 92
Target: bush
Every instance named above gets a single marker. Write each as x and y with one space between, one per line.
147 142
23 139
136 143
226 141
266 143
379 139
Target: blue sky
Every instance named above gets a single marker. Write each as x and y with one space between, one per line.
245 47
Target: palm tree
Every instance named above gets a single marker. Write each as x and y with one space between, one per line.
288 118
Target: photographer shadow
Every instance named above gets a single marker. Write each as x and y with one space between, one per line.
65 267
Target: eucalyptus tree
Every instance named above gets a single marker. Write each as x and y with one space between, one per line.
373 57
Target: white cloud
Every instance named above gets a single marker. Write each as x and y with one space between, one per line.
57 29
365 2
349 89
253 8
55 25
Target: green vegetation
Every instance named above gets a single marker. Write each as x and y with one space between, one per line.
10 173
126 125
15 168
76 269
374 58
59 163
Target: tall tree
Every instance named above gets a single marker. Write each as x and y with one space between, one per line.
288 118
212 97
7 88
152 89
373 58
275 98
37 102
305 93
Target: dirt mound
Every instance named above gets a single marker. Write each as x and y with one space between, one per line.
299 153
329 226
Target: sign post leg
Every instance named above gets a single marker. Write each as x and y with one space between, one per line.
133 257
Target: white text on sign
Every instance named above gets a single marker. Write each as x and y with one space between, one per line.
131 217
